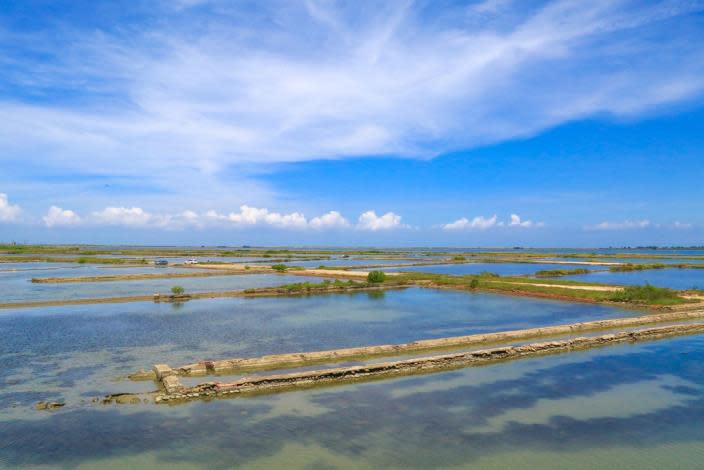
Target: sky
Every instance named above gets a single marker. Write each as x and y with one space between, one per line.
397 123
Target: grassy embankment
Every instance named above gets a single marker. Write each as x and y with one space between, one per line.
78 259
488 282
646 266
560 272
567 290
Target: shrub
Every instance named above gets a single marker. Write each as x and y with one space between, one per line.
459 258
376 276
646 293
279 267
474 283
177 290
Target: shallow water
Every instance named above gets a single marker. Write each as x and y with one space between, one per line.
15 287
503 269
673 278
77 352
573 410
350 262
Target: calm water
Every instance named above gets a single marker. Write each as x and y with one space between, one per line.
503 269
672 278
350 262
16 286
566 411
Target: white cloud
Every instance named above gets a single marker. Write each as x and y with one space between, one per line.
370 221
332 219
478 222
58 216
8 212
517 222
254 216
129 216
483 223
682 225
624 225
329 81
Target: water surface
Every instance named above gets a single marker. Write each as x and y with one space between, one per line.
673 278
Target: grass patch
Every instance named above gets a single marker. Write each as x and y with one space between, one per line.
376 276
640 267
646 294
560 272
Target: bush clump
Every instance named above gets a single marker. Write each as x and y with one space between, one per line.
376 276
645 294
177 290
639 267
279 267
459 258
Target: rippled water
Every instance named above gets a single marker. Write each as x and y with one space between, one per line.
633 406
565 411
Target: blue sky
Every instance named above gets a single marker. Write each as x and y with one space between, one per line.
481 123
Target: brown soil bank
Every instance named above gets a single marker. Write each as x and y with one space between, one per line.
271 383
368 352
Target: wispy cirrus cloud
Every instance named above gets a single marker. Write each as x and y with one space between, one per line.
222 85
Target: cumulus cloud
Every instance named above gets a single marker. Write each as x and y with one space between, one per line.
255 216
370 221
129 216
624 225
517 222
8 212
58 216
332 219
478 222
483 223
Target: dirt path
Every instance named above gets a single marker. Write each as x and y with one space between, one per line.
565 286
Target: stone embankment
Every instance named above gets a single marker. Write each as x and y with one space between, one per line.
369 352
174 391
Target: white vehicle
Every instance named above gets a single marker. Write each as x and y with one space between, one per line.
191 261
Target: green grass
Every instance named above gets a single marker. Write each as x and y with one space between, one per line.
560 272
312 286
376 276
646 294
650 295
